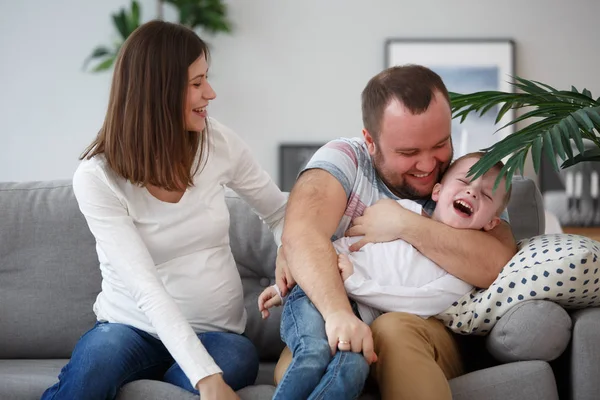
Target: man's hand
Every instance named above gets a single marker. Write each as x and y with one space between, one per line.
283 277
345 266
381 222
267 299
345 332
213 387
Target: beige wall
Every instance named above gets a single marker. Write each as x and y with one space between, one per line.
292 71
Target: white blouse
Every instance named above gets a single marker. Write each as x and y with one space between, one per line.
167 268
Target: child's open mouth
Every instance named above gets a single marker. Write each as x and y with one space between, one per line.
463 207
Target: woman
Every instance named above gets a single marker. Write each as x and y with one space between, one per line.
151 187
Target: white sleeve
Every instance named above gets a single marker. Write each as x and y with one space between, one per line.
427 300
117 236
411 205
253 184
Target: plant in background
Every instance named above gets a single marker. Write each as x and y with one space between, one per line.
561 118
208 15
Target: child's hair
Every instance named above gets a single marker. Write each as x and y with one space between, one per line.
496 167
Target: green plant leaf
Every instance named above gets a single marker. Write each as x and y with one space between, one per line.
594 114
120 22
133 19
572 133
503 173
575 133
556 136
536 153
99 51
588 155
584 121
550 88
549 149
104 65
566 140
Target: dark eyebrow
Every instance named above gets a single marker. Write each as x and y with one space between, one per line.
416 149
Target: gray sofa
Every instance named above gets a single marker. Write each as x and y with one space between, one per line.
49 278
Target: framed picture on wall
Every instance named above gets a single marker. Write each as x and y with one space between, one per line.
293 157
466 66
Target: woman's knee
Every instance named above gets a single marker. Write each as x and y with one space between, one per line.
235 354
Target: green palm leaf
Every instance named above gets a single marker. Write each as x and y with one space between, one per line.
562 119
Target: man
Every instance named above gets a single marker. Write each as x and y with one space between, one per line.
406 148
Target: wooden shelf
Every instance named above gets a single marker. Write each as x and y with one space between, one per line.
591 232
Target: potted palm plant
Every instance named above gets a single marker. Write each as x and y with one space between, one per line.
209 15
563 121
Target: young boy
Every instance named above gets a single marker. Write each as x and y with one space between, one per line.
394 276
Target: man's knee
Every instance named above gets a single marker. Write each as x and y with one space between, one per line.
285 359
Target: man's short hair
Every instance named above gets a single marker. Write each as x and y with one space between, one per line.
412 85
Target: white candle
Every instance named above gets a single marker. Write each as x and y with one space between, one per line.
569 184
594 185
578 184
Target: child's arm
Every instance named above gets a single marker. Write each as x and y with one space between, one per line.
426 301
270 297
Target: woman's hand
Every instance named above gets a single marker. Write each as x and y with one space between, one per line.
213 387
381 222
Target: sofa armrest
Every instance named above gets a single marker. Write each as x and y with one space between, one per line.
585 355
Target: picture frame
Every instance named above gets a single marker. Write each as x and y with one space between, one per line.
293 157
465 66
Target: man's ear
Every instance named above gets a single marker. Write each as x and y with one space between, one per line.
492 224
435 194
369 141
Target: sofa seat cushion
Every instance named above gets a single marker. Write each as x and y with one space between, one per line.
532 380
27 379
562 268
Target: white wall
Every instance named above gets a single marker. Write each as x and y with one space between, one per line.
292 71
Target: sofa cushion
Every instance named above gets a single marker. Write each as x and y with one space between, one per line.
532 330
532 380
526 209
28 379
49 275
562 268
254 250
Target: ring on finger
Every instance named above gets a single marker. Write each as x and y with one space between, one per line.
343 341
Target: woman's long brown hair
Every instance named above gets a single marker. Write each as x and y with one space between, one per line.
143 137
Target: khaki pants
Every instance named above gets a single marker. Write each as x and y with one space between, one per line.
416 358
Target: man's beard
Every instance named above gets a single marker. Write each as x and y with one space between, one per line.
405 190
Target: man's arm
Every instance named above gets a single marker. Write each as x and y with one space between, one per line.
315 207
476 257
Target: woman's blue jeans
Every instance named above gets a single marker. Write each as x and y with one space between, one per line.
314 373
110 355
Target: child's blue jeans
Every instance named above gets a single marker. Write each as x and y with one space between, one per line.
314 373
